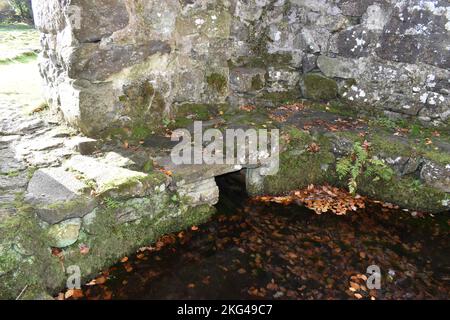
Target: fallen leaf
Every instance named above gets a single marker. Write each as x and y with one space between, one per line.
242 271
100 280
84 249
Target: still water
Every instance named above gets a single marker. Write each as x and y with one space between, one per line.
252 250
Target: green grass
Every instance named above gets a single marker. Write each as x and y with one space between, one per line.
20 83
25 57
18 43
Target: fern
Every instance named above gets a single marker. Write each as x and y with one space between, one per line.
360 163
111 203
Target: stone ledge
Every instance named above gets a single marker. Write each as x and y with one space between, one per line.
58 195
110 180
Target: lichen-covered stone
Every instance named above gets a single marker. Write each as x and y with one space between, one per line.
372 85
191 53
246 80
436 176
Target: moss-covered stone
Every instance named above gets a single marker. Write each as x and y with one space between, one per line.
145 107
263 60
335 107
187 113
110 238
125 186
65 233
282 97
384 143
26 261
319 87
217 82
407 192
299 167
257 83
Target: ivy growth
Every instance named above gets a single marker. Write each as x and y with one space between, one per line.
361 164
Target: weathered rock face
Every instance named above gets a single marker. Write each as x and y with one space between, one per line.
123 63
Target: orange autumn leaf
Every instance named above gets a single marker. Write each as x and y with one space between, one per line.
321 200
100 280
358 296
247 108
166 172
74 293
128 267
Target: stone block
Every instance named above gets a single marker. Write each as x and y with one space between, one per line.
57 195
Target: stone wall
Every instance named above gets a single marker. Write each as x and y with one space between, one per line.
122 63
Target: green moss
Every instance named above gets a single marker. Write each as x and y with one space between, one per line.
67 206
145 107
262 61
25 258
26 261
280 98
195 111
181 122
149 166
31 171
256 119
278 59
218 82
336 107
121 186
299 167
382 142
319 87
11 174
440 157
405 192
141 131
257 83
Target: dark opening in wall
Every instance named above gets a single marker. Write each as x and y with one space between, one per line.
233 192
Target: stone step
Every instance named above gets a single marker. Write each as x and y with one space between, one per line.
57 195
112 180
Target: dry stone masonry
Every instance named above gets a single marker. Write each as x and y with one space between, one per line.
121 63
115 68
